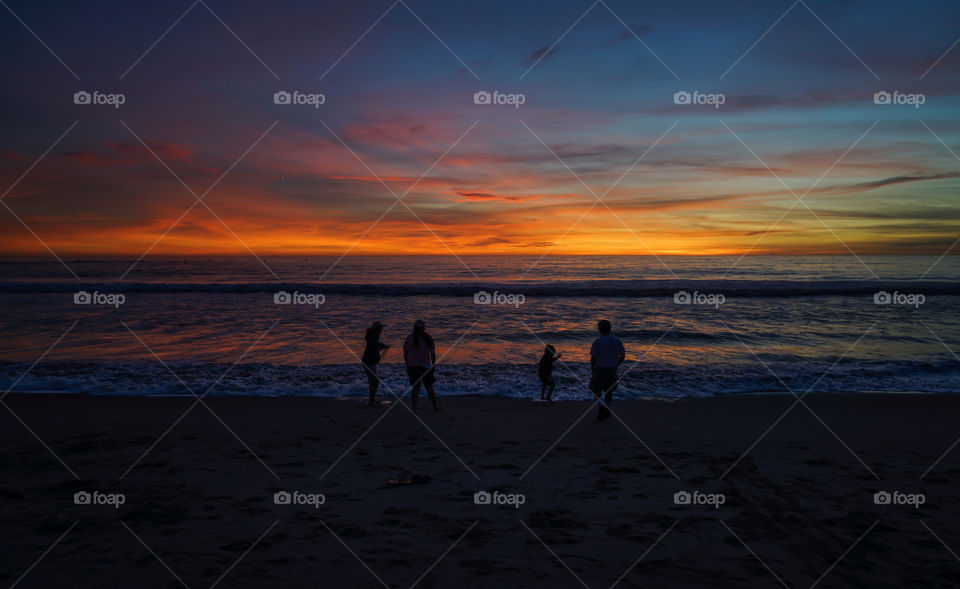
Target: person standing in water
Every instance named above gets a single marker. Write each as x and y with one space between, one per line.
545 370
420 356
606 355
371 358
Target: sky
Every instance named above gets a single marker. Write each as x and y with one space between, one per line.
788 153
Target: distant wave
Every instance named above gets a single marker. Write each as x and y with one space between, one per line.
647 379
596 288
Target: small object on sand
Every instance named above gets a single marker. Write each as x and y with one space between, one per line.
403 480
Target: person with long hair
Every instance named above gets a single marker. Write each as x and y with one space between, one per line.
372 354
420 357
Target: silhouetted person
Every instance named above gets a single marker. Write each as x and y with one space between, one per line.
371 358
606 354
545 371
420 356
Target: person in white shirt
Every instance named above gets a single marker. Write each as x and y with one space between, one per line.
420 356
606 355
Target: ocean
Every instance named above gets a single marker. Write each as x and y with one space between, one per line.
692 326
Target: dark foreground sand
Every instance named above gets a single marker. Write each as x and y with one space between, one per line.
599 506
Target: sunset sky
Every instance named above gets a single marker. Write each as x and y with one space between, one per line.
399 95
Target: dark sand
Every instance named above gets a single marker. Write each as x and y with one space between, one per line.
800 501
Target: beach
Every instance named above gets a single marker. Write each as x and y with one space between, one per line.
238 239
774 500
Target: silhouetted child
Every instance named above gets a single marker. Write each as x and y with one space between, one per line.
371 358
550 355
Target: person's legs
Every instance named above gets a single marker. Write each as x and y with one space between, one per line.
550 387
595 387
608 398
603 413
414 395
428 380
373 382
415 377
608 382
432 396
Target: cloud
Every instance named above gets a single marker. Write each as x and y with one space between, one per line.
628 33
541 54
12 155
89 158
489 196
126 154
167 151
905 179
477 195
